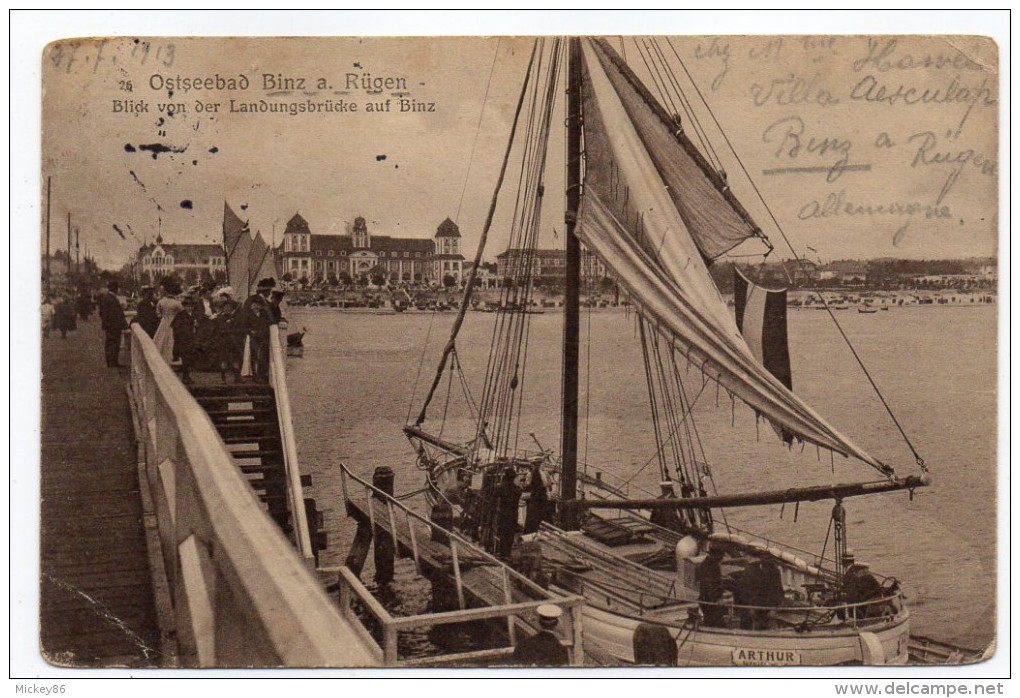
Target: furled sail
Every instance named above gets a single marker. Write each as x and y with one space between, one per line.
629 217
761 318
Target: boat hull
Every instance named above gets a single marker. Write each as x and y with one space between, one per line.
609 633
612 636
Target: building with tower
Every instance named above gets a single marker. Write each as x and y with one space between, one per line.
314 258
448 260
191 263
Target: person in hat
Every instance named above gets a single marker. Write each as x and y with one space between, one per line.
543 648
166 310
276 304
47 315
111 317
146 313
257 318
667 518
711 588
508 498
860 586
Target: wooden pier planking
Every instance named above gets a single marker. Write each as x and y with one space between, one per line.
96 596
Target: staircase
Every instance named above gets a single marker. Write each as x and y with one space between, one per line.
246 418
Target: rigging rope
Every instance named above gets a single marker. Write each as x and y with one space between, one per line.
478 130
481 246
917 456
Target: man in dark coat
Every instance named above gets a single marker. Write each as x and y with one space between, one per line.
257 320
146 316
111 315
538 500
543 648
711 588
507 503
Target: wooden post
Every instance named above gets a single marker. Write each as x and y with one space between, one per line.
382 479
359 548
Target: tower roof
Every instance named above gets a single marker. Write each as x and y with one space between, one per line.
297 224
448 229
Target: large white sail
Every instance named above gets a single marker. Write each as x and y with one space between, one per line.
631 219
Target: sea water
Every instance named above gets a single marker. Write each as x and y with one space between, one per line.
363 376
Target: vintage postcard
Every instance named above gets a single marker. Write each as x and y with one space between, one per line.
597 351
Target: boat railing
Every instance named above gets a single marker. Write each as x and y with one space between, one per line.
861 613
398 518
239 593
295 491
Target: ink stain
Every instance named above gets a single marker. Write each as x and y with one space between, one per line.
161 121
187 204
135 177
119 232
158 149
214 150
380 158
244 207
194 162
128 148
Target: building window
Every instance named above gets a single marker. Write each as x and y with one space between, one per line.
343 253
417 255
332 253
318 253
406 255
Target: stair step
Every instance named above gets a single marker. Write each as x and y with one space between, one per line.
231 389
251 426
263 453
251 439
221 414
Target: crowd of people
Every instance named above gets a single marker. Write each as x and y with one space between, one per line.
209 329
205 328
61 310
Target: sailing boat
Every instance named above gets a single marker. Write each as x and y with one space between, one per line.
656 212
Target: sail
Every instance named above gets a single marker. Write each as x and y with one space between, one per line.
260 261
714 218
238 261
233 226
629 218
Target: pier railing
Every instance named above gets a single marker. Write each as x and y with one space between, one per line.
298 513
241 595
413 531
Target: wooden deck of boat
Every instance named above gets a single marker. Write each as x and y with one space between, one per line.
97 605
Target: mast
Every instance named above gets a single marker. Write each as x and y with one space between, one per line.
571 306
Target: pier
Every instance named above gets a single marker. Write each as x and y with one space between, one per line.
96 594
156 548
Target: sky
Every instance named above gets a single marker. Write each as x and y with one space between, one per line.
847 164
